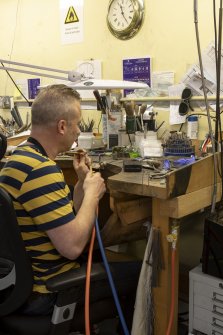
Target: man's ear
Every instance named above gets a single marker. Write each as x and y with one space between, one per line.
61 126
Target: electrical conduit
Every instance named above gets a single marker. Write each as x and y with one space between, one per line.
172 238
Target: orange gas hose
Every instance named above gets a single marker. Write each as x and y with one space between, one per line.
172 292
87 285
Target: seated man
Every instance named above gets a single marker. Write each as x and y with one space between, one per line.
54 236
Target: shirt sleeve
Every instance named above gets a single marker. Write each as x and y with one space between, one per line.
45 197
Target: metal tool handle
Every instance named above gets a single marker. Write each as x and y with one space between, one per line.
99 101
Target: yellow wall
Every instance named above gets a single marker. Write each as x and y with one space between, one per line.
30 33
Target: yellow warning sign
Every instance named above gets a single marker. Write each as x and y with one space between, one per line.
71 16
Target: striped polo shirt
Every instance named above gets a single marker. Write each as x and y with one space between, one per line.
42 201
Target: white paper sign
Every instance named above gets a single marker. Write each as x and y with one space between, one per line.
71 16
175 117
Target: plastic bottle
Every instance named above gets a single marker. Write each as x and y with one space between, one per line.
192 127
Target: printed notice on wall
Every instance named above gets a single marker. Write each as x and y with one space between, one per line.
71 17
137 69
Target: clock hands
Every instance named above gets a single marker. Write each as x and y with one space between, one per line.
123 14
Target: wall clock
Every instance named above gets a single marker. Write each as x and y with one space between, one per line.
125 17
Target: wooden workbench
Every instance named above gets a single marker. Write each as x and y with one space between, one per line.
134 196
181 192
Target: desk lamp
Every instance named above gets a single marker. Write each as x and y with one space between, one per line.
72 78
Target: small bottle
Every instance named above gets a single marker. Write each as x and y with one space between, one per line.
192 127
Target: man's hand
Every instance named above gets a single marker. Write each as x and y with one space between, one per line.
81 164
94 185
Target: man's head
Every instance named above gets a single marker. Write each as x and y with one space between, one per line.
54 103
56 112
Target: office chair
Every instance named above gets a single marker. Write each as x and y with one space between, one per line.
3 145
16 280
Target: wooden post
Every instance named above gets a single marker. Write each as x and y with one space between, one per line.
162 293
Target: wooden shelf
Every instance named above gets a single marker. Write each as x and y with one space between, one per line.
167 98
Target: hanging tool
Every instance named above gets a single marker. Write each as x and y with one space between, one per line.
18 115
99 101
142 111
15 117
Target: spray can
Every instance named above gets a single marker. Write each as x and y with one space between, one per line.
192 127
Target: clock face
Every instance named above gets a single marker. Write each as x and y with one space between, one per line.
125 17
121 14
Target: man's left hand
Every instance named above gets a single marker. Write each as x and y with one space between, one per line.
81 163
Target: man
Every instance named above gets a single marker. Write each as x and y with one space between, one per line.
54 236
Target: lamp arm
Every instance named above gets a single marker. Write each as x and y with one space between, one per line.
71 75
33 66
32 73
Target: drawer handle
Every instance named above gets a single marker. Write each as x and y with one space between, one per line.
221 285
215 310
216 299
214 324
214 332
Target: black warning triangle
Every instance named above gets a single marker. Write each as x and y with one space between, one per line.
71 16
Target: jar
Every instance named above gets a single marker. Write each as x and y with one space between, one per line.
85 140
139 137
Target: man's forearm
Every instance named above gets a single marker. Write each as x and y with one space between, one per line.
78 195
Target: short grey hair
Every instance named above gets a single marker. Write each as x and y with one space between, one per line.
54 103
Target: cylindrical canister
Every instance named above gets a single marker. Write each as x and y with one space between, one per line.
192 127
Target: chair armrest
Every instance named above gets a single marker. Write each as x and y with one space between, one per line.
75 277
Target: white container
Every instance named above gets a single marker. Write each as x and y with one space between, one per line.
85 140
139 137
192 127
151 148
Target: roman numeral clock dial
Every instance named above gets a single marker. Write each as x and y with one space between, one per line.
125 17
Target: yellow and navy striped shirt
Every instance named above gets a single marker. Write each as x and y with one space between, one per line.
42 201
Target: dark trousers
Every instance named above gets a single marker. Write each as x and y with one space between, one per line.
125 276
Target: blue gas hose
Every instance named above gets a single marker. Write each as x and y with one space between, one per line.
110 279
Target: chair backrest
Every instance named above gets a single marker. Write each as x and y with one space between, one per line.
3 145
16 276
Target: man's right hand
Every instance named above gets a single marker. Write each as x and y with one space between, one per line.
94 184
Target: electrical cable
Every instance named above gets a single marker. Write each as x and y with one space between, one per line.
201 114
218 135
29 102
214 195
215 34
110 279
13 41
172 306
218 63
87 286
